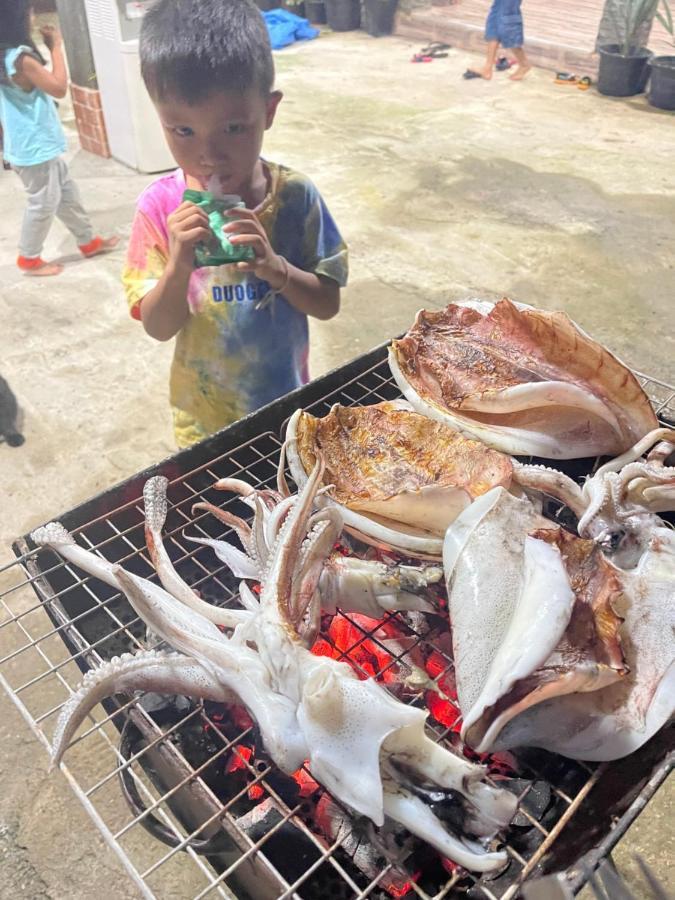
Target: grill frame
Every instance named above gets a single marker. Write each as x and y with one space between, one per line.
364 380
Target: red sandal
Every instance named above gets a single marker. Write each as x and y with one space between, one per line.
35 265
99 245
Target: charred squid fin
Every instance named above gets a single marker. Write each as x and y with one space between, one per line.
404 807
487 808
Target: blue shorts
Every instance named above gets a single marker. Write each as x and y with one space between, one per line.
505 23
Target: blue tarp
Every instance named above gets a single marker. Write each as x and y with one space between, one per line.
284 28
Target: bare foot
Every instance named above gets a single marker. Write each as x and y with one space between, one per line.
485 73
520 73
111 242
99 245
44 270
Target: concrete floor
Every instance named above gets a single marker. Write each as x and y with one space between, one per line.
443 188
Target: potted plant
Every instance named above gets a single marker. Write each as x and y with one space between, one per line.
379 16
315 10
623 34
343 15
297 7
662 82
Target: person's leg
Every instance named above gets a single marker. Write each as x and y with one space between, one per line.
523 64
75 218
512 35
490 60
492 38
70 209
43 193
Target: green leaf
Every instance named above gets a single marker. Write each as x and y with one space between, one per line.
629 18
666 18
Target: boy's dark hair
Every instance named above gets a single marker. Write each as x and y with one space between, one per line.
190 48
15 31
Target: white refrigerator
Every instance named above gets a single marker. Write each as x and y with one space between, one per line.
135 135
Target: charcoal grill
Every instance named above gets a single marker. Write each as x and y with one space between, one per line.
232 825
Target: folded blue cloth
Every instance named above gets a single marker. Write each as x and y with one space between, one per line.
285 28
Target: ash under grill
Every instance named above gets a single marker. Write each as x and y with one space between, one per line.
195 775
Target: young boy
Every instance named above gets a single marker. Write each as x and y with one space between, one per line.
504 26
208 67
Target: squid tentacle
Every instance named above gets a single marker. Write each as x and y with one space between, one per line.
241 528
550 481
155 500
282 483
657 436
306 707
660 453
275 519
164 672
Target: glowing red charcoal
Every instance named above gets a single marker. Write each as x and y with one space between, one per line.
449 866
240 756
323 648
350 643
445 712
442 702
398 891
305 782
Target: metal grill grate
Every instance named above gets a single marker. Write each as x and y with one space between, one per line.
197 773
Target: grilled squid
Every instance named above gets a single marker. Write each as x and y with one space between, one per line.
367 748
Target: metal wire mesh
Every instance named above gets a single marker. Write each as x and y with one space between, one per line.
195 771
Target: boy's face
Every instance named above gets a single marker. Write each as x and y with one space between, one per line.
220 135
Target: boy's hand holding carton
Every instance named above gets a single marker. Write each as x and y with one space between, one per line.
187 226
247 232
217 250
211 231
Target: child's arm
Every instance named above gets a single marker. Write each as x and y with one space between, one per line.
310 294
54 83
164 310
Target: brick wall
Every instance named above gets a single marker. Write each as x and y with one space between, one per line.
89 118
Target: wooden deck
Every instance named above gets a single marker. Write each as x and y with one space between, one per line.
559 34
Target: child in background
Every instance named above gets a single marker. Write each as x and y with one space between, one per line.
504 26
34 140
207 65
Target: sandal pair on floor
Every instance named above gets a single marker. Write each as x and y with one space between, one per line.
501 65
37 267
435 50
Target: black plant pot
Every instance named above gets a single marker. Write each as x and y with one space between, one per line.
379 16
265 5
623 76
343 15
315 10
662 82
298 9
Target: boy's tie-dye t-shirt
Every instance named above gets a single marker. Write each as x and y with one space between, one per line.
231 358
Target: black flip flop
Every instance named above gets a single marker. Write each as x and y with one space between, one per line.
471 74
431 49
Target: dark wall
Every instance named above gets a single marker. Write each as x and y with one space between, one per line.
73 22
